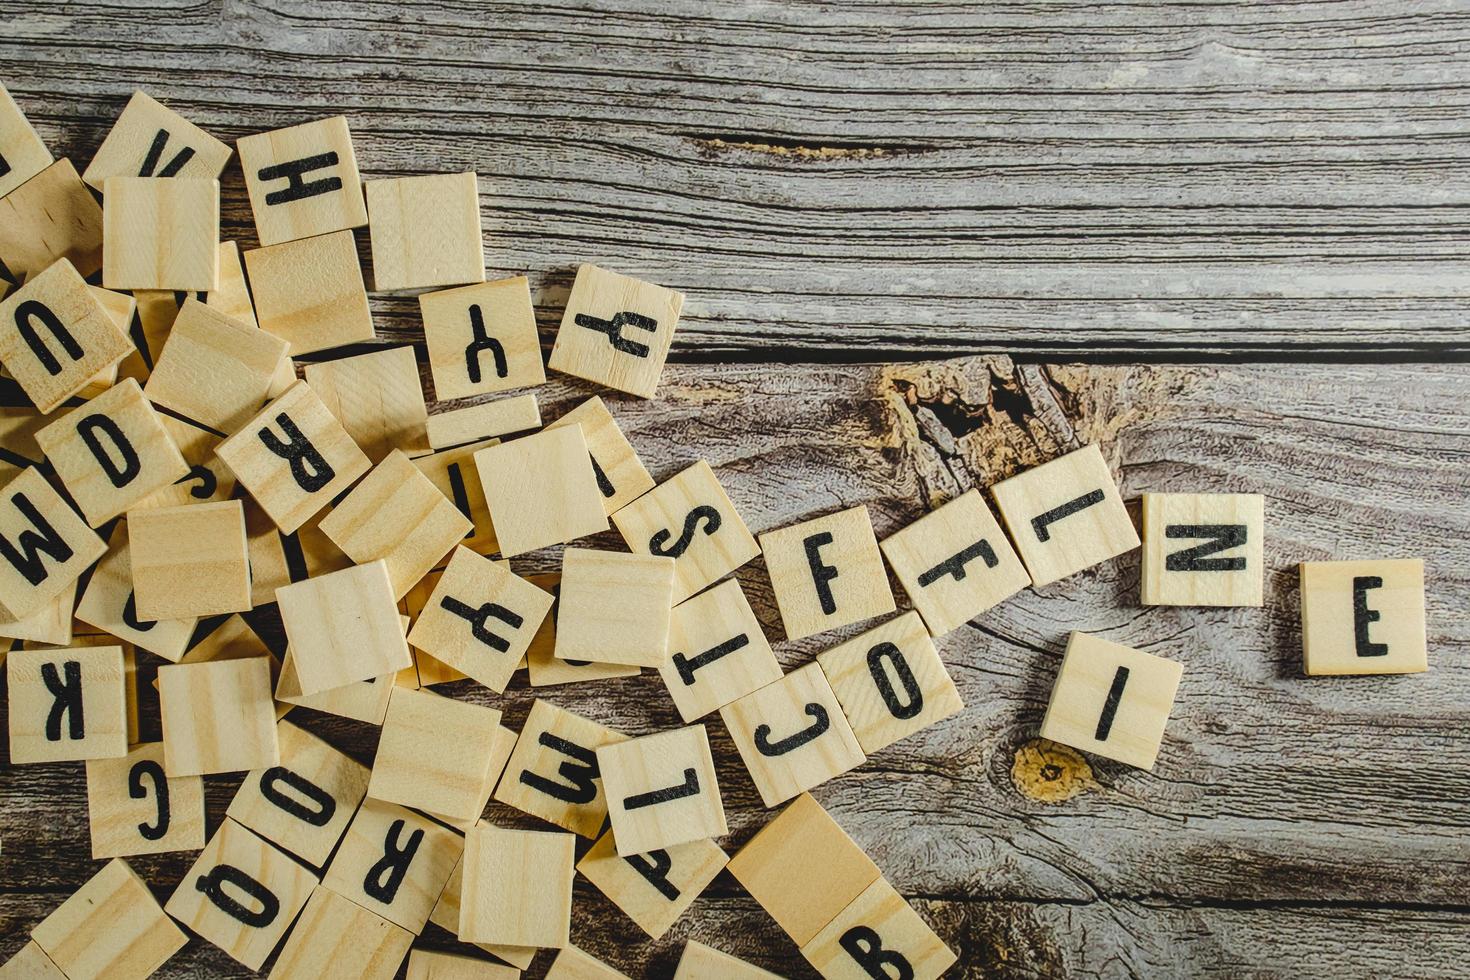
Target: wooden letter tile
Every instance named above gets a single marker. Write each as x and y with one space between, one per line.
1065 515
1203 549
501 746
616 331
336 937
190 560
717 651
67 705
111 928
109 605
343 627
217 716
827 572
621 478
572 963
690 520
661 790
50 625
434 753
553 772
50 217
891 682
425 231
653 889
446 917
701 962
1111 700
302 181
310 292
47 545
151 140
614 607
160 233
482 338
424 964
545 669
878 934
517 887
483 421
792 735
214 370
955 563
31 962
1363 617
395 863
134 808
241 895
541 490
377 398
454 472
22 153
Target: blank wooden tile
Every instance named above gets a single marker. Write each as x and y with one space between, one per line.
517 887
616 331
151 140
337 937
294 457
365 701
614 607
51 624
446 916
425 964
1111 700
189 560
22 153
653 889
955 563
134 808
343 627
792 735
233 639
377 398
553 773
214 370
395 514
803 869
827 572
1363 617
454 472
66 705
890 681
717 651
160 233
48 545
433 753
52 216
1065 515
502 744
241 894
701 962
661 790
31 961
112 927
55 336
572 963
310 292
302 181
109 605
208 478
1203 549
621 478
425 231
217 716
304 803
541 490
482 338
395 863
689 519
483 421
878 933
545 669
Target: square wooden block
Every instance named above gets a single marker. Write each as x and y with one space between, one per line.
502 744
378 399
190 560
653 889
214 370
446 917
717 651
1111 700
294 457
1065 515
134 808
365 701
304 803
661 790
50 217
544 668
955 563
49 544
572 963
310 292
109 605
55 336
395 514
160 233
343 627
22 153
217 716
1363 617
425 231
803 869
482 338
111 927
151 140
241 895
480 619
454 472
517 887
701 962
31 962
891 682
338 937
112 452
302 181
689 519
541 490
614 607
66 705
616 331
553 772
621 478
1203 549
827 572
486 420
878 932
792 735
50 625
395 863
433 753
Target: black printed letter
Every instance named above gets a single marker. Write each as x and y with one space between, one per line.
482 342
1042 524
579 773
866 949
654 866
1362 616
34 309
614 330
155 153
689 787
915 697
659 543
33 544
820 723
213 885
686 666
1110 705
955 565
89 427
1222 537
322 806
300 453
822 574
297 189
68 701
394 864
136 790
480 618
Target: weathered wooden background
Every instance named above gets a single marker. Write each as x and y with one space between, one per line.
1225 240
